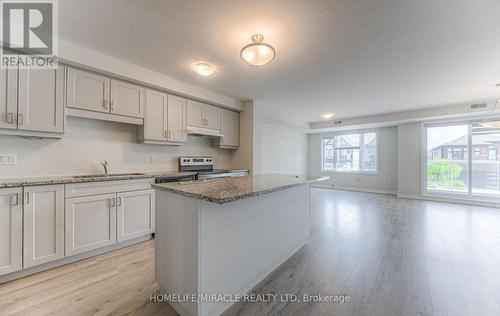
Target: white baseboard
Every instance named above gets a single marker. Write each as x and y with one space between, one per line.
366 190
448 200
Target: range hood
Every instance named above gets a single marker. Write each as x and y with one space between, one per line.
193 130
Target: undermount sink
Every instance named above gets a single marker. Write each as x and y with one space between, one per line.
108 175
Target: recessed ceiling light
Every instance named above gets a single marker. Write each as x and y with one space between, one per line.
204 69
327 115
257 53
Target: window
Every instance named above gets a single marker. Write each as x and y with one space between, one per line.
450 169
355 152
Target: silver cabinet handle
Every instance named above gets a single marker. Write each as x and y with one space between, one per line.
14 199
113 202
10 118
20 119
119 201
113 105
105 104
26 198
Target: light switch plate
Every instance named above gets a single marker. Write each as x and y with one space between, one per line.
8 159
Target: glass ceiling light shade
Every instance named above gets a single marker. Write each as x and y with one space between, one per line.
257 53
204 69
327 115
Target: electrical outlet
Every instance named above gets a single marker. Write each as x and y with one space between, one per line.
8 159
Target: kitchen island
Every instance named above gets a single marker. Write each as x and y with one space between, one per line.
217 239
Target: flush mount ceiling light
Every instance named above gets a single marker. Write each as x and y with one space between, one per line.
327 115
204 69
257 53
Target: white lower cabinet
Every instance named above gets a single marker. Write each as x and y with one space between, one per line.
136 214
43 234
90 223
105 214
11 230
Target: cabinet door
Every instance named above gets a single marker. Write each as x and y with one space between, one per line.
195 113
90 223
127 99
212 117
11 227
43 224
230 128
8 98
136 214
40 106
87 91
155 124
175 119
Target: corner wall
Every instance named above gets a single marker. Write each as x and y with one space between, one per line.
283 148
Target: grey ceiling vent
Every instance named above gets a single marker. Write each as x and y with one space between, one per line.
479 105
337 122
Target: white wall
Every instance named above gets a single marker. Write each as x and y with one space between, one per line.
283 148
88 142
384 181
409 159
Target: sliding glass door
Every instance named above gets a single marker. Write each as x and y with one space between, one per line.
485 160
463 159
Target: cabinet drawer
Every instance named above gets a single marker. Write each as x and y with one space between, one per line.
93 188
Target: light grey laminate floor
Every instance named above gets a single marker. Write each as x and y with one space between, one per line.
391 256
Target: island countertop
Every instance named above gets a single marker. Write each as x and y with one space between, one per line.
225 190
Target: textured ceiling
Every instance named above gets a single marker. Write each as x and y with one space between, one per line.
354 58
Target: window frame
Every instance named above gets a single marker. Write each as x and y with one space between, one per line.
469 195
361 151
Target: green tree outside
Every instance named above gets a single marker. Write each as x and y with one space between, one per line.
444 173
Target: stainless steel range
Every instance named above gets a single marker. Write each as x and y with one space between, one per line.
204 166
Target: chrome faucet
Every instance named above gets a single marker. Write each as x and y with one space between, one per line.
105 166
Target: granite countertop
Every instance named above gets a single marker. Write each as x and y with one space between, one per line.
19 182
225 190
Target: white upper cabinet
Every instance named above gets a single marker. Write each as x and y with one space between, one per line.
40 106
195 113
175 119
32 102
87 91
99 97
163 119
127 99
212 117
230 129
43 224
203 115
8 98
155 124
11 230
